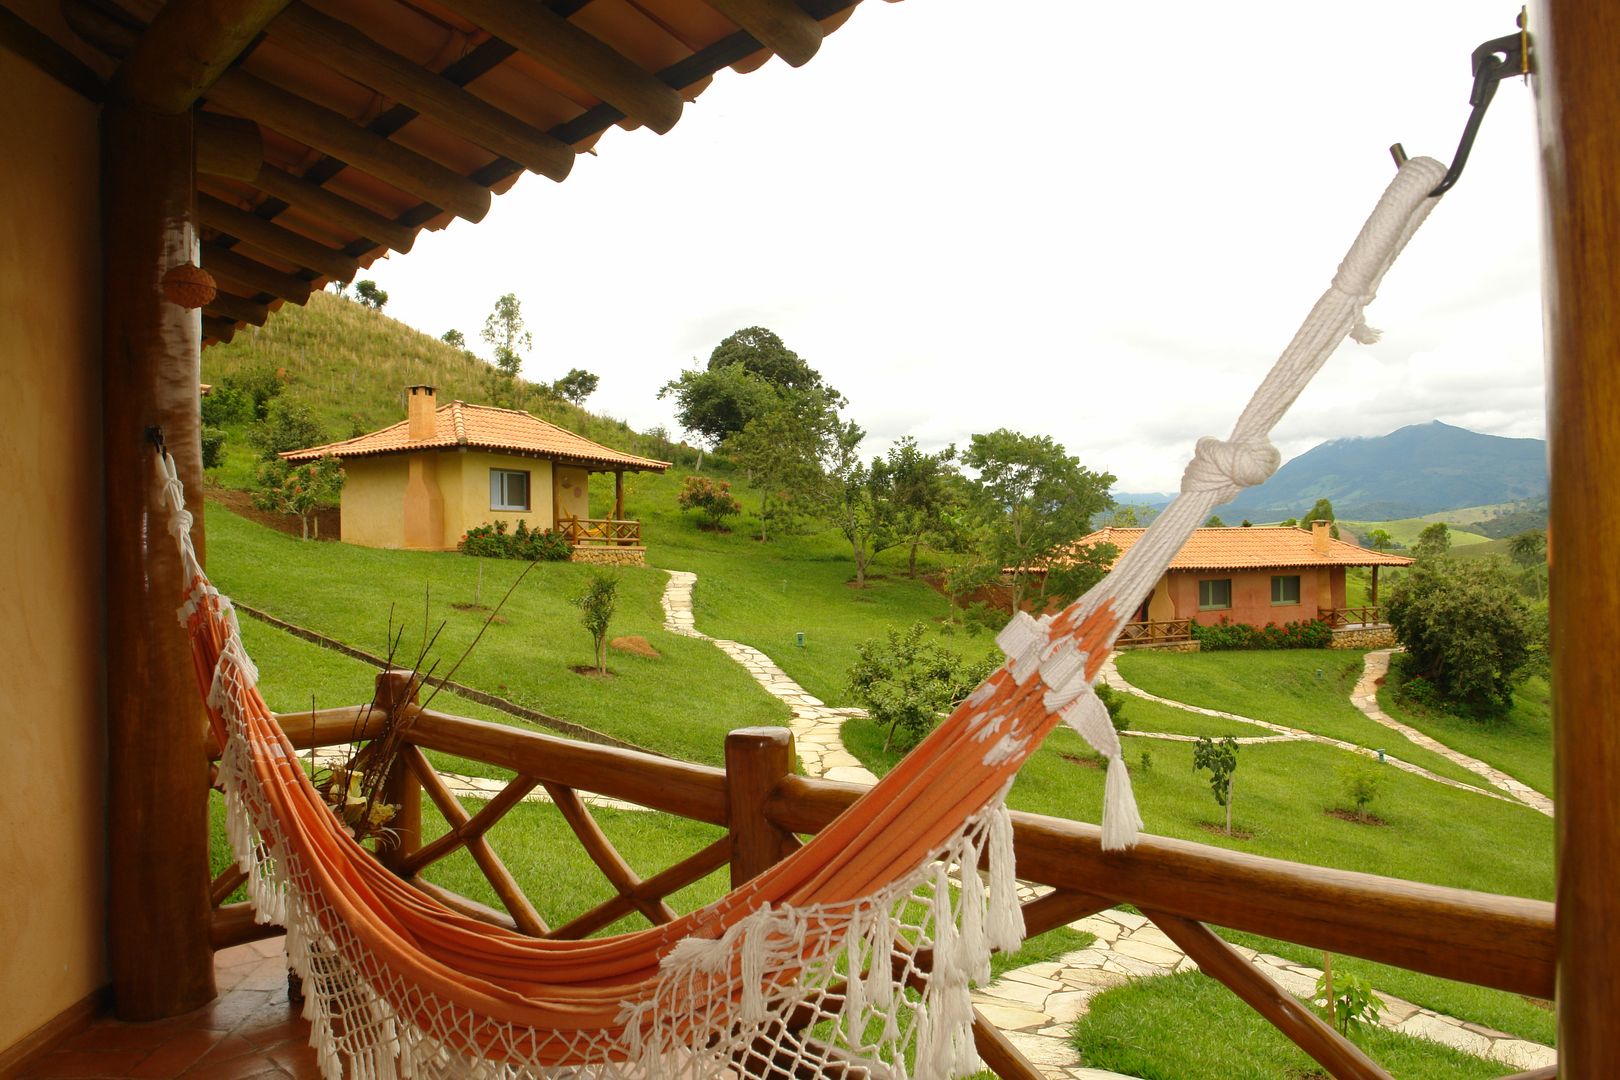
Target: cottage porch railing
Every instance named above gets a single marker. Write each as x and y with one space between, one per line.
1362 615
1164 632
591 532
1505 943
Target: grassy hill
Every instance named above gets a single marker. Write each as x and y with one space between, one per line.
1405 531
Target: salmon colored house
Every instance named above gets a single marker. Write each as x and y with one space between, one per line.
1260 575
425 481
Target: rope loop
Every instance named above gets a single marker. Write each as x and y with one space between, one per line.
1218 465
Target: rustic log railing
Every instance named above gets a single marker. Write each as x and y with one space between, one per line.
595 531
1364 615
1166 632
1505 943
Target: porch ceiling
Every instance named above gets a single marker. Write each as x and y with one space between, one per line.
348 126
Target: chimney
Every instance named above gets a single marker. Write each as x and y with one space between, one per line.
1319 530
420 410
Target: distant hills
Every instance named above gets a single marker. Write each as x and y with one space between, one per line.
1417 470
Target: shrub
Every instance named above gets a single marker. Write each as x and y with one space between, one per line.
1313 634
257 385
1467 631
299 490
213 447
596 606
713 498
906 682
491 540
288 425
1349 999
226 404
1361 784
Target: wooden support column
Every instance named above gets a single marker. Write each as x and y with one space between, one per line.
158 909
1577 85
618 495
1374 597
396 689
756 758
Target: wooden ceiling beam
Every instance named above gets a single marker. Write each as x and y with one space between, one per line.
187 47
344 48
233 266
333 133
334 207
285 243
237 309
221 330
577 56
780 25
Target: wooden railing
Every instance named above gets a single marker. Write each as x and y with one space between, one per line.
1364 615
601 531
1500 942
1166 632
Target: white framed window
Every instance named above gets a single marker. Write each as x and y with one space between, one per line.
1214 594
509 489
1285 589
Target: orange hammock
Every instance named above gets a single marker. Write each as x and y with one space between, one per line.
797 969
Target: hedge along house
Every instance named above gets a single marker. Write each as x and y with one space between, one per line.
444 469
1258 575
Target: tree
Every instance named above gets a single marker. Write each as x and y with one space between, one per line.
1322 511
761 352
1529 549
1467 632
712 498
783 451
1379 540
1433 541
596 606
855 497
1221 761
907 681
454 338
1033 500
746 375
576 386
288 425
1214 522
505 331
299 490
368 294
1245 524
918 488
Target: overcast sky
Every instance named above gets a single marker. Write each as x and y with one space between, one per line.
1095 221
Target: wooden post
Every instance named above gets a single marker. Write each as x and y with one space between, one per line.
618 495
1577 84
756 758
1374 599
157 833
402 788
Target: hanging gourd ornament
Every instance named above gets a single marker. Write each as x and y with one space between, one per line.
188 285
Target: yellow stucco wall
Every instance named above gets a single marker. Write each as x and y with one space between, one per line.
53 771
574 492
374 503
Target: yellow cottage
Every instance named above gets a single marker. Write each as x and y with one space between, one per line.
423 482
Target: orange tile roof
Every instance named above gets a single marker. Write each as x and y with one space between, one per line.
1255 547
483 427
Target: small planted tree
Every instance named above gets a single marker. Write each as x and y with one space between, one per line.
596 606
908 682
1361 784
712 498
299 490
1220 759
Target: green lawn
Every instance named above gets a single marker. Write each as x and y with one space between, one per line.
1190 1027
1405 531
1281 687
681 704
1519 743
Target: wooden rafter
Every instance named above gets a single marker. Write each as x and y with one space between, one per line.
780 25
237 308
187 47
233 266
284 243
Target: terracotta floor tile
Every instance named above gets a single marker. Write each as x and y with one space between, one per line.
177 1055
297 1058
275 1028
113 1035
86 1063
237 1068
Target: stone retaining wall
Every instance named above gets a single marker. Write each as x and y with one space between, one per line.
1158 646
610 556
1364 637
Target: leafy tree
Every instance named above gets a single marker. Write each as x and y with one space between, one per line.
747 374
1380 540
454 338
368 294
289 425
919 491
1322 511
213 447
504 330
341 288
1433 541
258 383
1220 759
596 606
576 386
1214 522
1467 632
1080 568
782 450
225 404
1033 500
854 497
1529 549
1245 524
761 352
1123 517
1361 782
712 498
907 681
299 490
1292 523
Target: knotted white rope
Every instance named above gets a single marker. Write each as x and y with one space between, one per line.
1218 471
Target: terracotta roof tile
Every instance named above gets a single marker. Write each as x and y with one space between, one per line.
1256 547
483 427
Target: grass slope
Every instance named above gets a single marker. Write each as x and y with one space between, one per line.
1404 531
1280 687
1519 743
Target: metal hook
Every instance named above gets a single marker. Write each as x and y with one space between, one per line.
1493 61
154 435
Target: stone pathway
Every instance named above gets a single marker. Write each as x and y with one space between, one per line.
1282 733
1365 698
1036 1006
